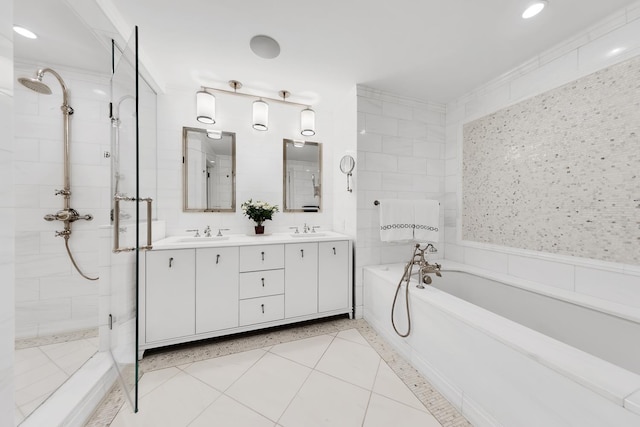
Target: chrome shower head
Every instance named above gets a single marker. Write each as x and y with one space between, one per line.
35 85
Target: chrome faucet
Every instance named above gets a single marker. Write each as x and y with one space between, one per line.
313 229
306 228
296 228
197 232
207 231
220 230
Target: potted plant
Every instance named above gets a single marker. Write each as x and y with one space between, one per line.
258 212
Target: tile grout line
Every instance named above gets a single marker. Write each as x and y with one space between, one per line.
366 409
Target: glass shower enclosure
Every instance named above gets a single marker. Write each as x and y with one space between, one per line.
133 187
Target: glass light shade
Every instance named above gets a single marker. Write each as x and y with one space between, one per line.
298 143
308 122
214 134
205 107
260 115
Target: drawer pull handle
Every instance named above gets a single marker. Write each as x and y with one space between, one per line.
262 255
262 305
170 262
334 251
302 253
262 282
217 258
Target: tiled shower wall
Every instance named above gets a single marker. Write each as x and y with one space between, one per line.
610 42
400 156
50 295
7 217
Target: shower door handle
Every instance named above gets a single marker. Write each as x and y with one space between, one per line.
116 223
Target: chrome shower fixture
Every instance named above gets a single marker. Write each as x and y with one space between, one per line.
67 214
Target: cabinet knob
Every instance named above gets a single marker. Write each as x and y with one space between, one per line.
262 282
334 251
302 253
217 258
262 253
262 306
170 262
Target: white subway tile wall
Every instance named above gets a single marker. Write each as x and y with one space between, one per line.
7 217
607 43
401 146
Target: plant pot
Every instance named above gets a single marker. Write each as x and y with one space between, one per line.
259 229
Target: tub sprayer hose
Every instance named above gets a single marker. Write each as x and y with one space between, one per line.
407 275
73 261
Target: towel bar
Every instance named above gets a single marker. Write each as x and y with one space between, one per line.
377 202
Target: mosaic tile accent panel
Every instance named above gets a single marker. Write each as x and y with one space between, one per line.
559 172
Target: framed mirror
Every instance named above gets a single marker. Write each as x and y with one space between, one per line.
302 176
209 170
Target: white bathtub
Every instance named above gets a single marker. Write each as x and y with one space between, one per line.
580 367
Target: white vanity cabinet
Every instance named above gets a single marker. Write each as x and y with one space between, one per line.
222 288
301 279
170 294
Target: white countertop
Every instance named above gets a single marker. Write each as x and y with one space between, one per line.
185 242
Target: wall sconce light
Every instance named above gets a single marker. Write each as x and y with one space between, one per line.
260 115
205 107
308 122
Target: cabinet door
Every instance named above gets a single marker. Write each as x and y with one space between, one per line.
216 289
301 279
333 278
170 294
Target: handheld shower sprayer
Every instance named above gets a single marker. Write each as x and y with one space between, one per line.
67 214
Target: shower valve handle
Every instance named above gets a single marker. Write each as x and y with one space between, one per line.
63 192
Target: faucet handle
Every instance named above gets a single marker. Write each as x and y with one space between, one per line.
297 231
196 230
313 229
220 230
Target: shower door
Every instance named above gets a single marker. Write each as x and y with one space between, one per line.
132 179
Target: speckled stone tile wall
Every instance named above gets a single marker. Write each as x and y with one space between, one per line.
559 172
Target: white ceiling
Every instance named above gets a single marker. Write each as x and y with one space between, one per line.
434 50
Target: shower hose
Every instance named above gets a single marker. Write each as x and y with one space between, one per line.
408 269
73 261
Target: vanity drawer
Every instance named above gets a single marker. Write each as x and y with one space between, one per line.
261 257
261 283
259 310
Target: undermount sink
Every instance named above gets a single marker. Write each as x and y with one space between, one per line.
309 235
191 239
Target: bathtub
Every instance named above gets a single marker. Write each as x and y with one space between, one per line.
514 353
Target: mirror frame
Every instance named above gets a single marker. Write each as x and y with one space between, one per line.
185 178
285 208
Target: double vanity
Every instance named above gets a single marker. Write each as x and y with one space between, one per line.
194 288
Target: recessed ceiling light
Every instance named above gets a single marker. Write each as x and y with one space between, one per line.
24 32
265 47
534 9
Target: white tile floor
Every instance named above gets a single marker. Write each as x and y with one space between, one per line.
39 371
334 380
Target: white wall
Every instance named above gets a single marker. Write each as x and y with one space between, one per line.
613 40
345 131
51 297
258 162
7 216
400 155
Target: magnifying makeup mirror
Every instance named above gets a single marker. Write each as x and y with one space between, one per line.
347 163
